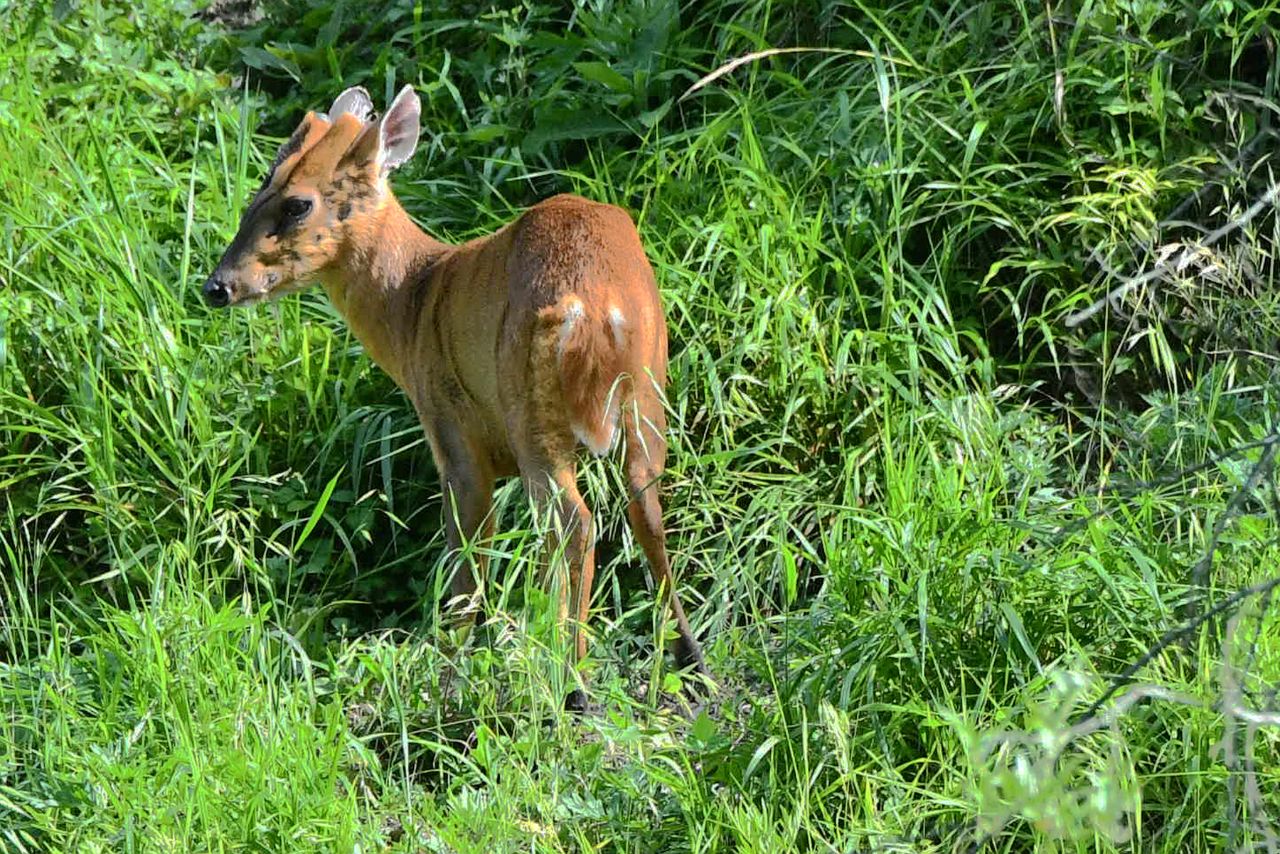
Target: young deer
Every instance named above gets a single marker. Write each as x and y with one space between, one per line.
515 348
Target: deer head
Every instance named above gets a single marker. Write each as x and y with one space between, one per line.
321 202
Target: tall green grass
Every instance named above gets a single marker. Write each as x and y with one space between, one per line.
918 519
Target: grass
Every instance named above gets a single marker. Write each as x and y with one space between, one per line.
919 520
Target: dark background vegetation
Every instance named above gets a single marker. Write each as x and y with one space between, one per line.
926 495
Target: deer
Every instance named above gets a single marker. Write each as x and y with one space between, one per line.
519 350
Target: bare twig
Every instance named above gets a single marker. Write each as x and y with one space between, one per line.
1236 715
1170 637
1200 574
1250 152
1176 260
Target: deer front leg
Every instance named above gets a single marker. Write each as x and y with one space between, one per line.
467 486
468 505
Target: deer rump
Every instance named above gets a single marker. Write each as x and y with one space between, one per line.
596 342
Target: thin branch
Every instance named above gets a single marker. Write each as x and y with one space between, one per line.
1249 154
1168 639
1200 574
1175 261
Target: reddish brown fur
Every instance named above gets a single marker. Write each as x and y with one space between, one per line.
509 346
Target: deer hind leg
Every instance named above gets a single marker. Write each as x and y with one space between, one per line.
543 422
646 452
554 490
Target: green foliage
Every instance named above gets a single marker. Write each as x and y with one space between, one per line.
919 517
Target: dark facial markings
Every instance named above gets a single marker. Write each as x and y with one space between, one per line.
345 192
287 150
264 195
351 185
284 253
290 147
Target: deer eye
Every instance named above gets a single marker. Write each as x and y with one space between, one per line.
296 208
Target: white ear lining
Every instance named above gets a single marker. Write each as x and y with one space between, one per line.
398 131
355 101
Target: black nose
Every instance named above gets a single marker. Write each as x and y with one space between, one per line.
216 292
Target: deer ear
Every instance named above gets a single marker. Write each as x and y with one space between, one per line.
398 131
354 101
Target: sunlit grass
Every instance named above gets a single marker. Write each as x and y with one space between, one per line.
914 535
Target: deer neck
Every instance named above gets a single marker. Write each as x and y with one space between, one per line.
371 289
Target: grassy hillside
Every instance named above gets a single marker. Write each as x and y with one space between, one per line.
975 348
